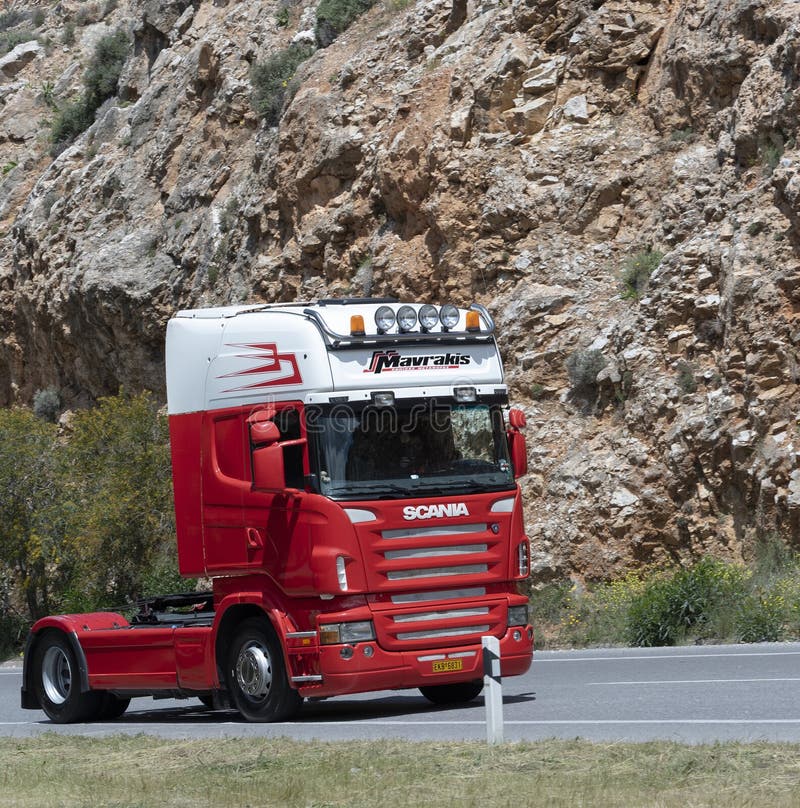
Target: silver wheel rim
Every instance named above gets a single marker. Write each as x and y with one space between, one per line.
56 675
253 670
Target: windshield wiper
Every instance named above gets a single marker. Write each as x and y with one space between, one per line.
353 490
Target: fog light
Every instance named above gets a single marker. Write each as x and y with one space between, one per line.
384 398
368 650
347 652
517 635
517 615
465 394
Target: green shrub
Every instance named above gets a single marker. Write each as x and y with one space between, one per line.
38 18
10 39
582 369
686 379
271 79
636 272
75 117
68 34
336 16
770 150
100 80
672 604
760 617
686 135
105 67
10 18
47 404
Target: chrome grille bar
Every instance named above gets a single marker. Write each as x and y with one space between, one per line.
434 552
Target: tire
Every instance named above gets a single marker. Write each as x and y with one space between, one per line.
56 682
112 707
256 674
459 693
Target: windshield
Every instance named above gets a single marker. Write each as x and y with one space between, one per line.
410 450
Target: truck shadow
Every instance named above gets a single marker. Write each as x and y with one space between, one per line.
339 709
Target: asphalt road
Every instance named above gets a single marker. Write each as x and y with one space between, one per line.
693 695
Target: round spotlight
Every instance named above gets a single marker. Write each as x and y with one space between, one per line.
384 319
449 316
406 318
428 317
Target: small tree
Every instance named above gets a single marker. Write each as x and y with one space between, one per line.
28 541
120 497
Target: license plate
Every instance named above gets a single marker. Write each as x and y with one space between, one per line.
448 665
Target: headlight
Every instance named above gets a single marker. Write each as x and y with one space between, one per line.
518 615
384 318
406 318
335 633
428 317
449 316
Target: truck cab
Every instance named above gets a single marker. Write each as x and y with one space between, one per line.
344 474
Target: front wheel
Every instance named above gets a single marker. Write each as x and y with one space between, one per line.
459 693
56 682
256 674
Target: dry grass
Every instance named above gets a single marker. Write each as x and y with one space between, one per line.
128 772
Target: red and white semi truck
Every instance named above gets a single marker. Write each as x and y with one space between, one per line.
344 474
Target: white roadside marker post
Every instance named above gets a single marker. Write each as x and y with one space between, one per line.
492 689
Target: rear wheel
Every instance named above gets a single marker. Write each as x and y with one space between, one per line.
256 674
458 693
56 682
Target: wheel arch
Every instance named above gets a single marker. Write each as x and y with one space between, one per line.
233 616
29 699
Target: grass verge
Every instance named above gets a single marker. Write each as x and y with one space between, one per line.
127 772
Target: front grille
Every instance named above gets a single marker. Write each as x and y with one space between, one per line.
415 627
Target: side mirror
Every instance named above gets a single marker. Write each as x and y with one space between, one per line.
268 468
267 454
517 446
517 419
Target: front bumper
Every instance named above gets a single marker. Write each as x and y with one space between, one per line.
364 667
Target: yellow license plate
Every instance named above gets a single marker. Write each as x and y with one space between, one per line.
448 665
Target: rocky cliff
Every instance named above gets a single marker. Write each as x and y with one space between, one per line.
618 181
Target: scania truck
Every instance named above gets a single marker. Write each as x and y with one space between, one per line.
345 476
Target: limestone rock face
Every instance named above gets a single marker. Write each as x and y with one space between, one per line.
529 157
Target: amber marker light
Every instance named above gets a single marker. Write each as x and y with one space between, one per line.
473 321
357 326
